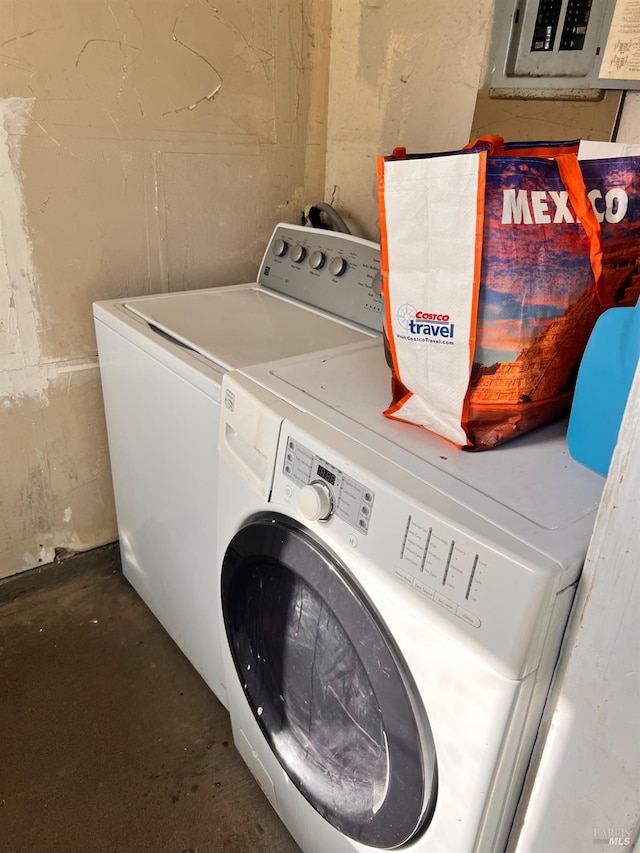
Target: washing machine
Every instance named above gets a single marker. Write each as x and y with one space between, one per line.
393 607
162 359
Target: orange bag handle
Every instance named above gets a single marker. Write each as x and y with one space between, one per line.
493 144
571 174
384 255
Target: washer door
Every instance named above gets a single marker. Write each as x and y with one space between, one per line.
327 686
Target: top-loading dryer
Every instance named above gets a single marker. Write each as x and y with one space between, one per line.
162 359
393 607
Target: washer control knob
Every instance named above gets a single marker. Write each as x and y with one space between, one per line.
316 501
298 254
280 247
317 259
338 266
376 284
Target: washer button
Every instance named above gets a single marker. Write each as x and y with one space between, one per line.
423 588
353 540
469 618
445 602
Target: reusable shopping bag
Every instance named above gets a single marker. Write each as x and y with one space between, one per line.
493 279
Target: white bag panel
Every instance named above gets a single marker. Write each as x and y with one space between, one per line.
592 150
416 411
431 213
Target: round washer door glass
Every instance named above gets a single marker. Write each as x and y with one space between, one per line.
327 685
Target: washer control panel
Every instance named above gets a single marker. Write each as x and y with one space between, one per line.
325 490
329 270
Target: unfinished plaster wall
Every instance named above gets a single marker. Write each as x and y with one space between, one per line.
145 145
403 72
524 118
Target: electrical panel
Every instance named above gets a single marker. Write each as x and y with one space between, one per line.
565 44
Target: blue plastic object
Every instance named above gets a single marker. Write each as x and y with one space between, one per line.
602 388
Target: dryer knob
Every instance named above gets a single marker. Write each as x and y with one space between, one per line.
298 254
316 501
280 247
338 266
317 259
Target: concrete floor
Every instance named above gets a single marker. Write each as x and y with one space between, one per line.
110 741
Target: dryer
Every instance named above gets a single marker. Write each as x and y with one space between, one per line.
162 359
393 607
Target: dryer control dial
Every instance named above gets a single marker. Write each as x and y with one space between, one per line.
338 266
298 254
316 501
280 247
317 260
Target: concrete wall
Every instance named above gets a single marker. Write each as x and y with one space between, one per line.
403 73
519 118
145 145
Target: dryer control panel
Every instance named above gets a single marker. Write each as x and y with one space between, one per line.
329 270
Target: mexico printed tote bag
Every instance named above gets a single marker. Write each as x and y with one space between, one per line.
490 260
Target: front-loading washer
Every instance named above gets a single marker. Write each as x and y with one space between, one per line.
162 359
393 607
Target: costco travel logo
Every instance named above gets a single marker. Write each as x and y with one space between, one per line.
425 324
